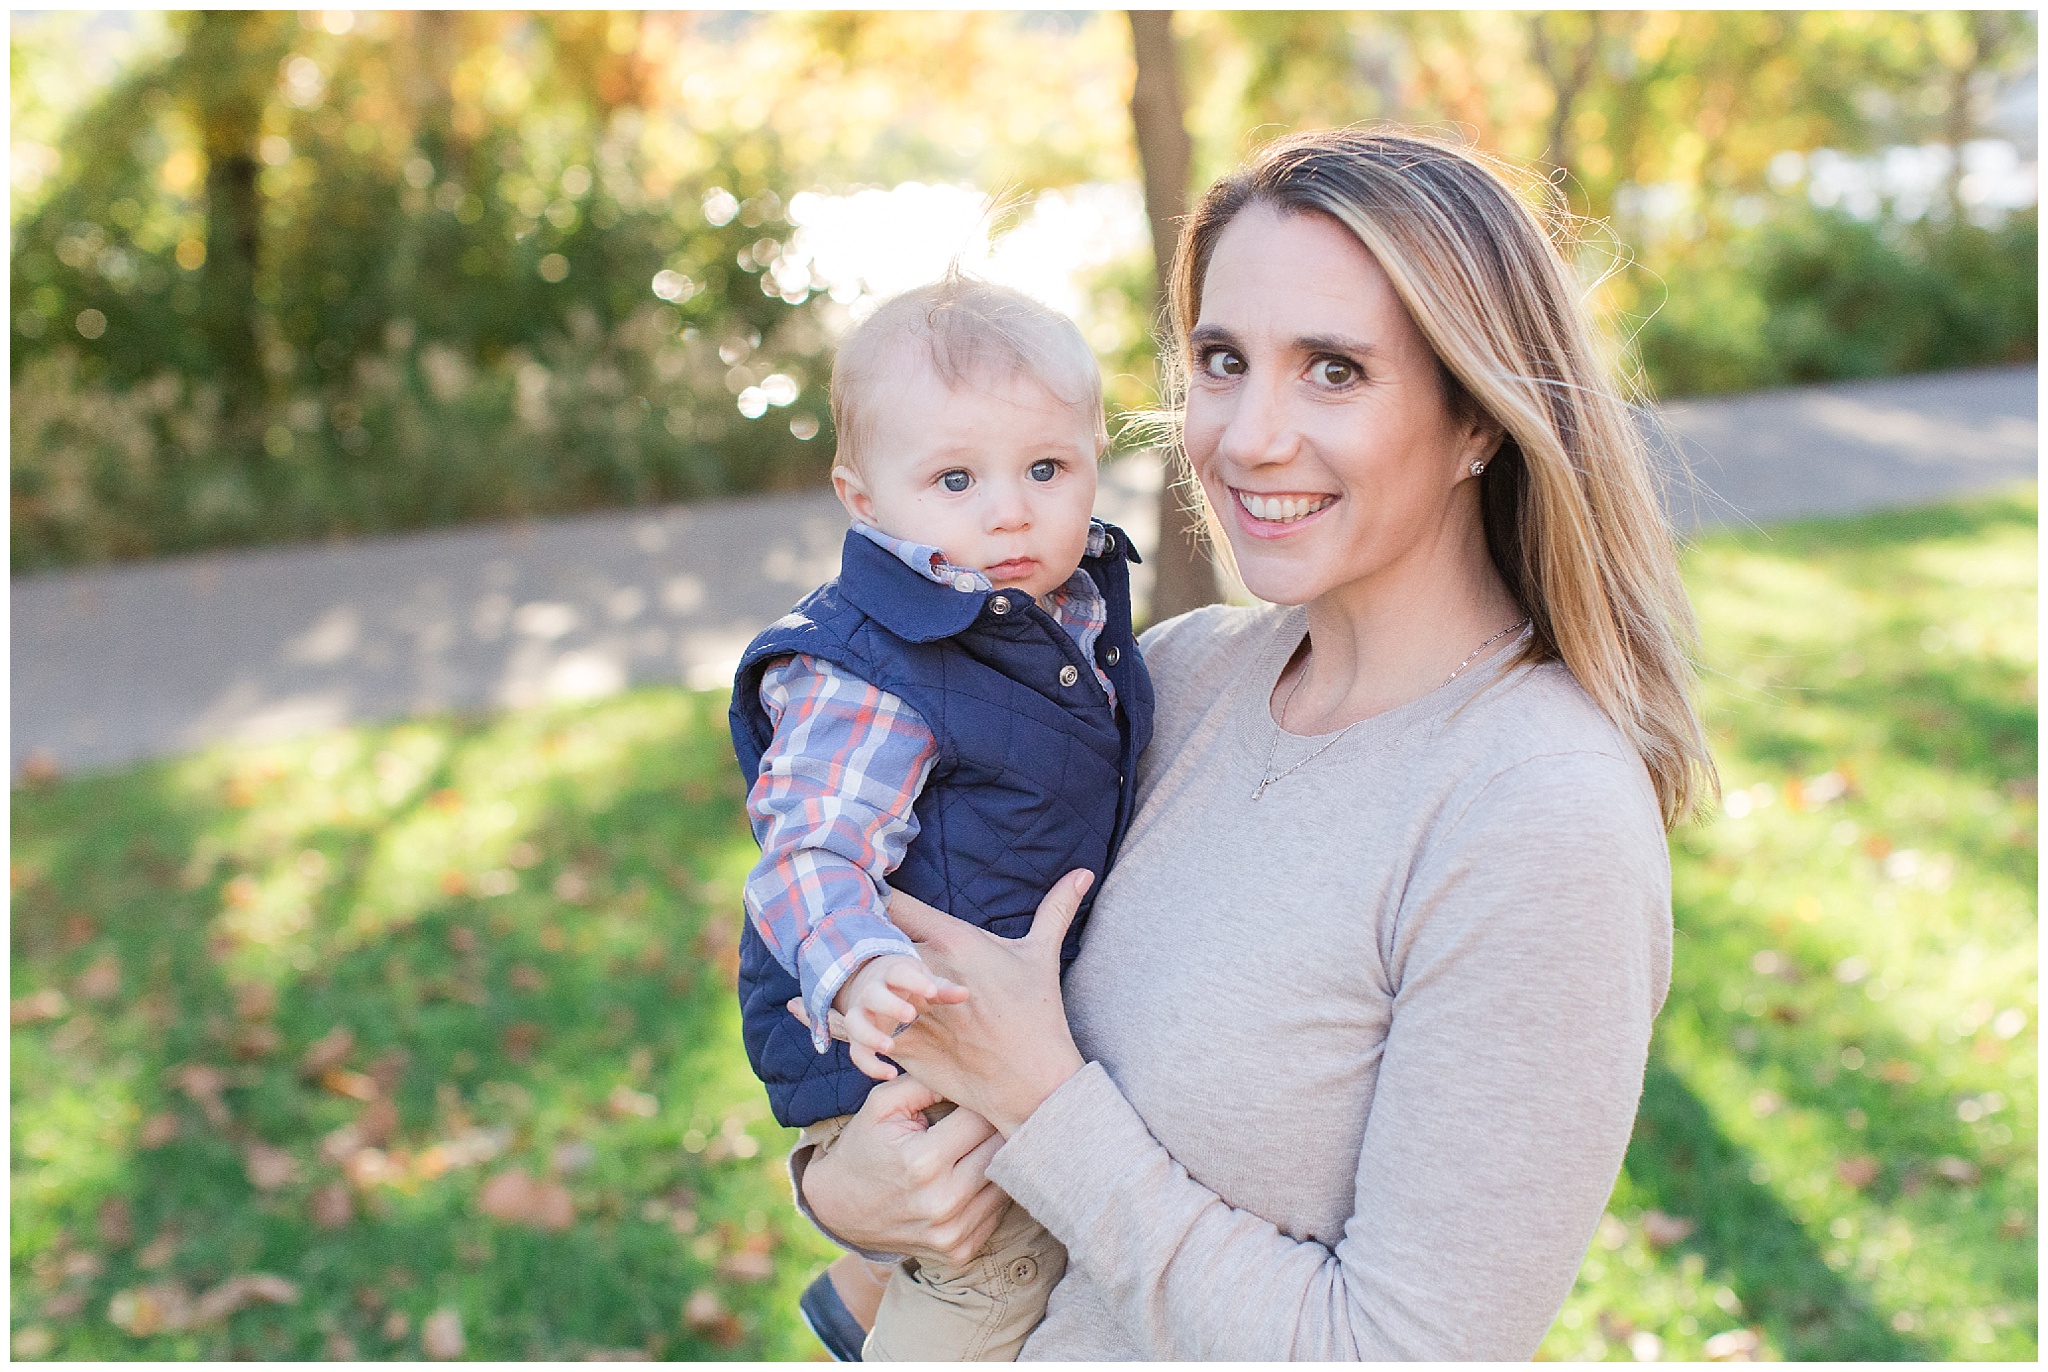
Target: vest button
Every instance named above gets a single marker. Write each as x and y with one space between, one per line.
1068 675
999 606
964 581
1023 1271
1111 655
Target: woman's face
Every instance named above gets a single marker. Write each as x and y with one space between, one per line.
1316 418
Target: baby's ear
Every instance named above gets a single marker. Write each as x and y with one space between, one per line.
853 494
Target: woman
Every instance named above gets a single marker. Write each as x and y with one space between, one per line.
1349 1059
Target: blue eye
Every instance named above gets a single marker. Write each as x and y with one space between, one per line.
1044 470
956 480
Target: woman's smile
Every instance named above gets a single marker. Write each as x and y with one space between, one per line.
1279 513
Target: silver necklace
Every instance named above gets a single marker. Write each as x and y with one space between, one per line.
1267 776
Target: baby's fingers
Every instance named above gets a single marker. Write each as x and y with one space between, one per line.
879 1006
868 1062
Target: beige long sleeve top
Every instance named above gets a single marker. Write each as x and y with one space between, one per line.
1364 1053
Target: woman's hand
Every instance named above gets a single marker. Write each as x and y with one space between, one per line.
1004 1049
892 1184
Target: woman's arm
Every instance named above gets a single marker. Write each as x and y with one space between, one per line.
1530 957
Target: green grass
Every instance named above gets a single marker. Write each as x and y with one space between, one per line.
1840 1102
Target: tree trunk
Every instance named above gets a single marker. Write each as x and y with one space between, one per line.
228 100
1568 72
1183 576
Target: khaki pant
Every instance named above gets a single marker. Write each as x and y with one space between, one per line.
979 1311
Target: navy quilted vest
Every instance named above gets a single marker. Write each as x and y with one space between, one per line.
1035 773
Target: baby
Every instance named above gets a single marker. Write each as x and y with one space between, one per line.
957 716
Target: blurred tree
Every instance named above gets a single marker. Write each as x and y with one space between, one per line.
1185 578
220 77
418 267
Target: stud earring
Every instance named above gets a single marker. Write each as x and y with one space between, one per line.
1479 469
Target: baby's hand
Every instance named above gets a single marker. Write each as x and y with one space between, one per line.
881 1000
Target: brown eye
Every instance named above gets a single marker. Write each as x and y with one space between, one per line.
1221 362
1334 371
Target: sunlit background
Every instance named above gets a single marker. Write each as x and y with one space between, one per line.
418 1040
611 251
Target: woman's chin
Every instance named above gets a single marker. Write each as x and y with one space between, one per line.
1276 581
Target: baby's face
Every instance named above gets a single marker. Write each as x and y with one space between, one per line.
998 474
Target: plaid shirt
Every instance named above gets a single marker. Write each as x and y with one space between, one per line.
832 804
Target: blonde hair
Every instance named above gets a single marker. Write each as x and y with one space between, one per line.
1571 510
968 330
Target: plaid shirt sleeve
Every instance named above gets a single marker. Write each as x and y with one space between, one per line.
831 809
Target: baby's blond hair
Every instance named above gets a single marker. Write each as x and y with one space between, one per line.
968 330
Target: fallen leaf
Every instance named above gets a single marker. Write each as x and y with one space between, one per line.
624 1101
704 1314
333 1206
1957 1170
33 1341
515 1197
1858 1171
378 1123
255 1042
389 1069
370 1300
83 1264
369 1167
239 1292
158 1251
159 1308
328 1052
397 1325
441 1336
341 1145
1736 1345
65 1304
202 1085
341 1348
101 981
270 1168
116 1226
526 977
746 1266
520 1040
355 1085
462 939
38 1006
79 930
1662 1230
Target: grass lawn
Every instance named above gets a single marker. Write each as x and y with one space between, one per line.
401 1039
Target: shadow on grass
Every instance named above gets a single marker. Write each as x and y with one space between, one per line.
522 1016
1681 1162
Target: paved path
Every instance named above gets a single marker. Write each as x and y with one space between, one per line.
111 665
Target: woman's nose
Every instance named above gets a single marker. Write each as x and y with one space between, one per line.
1259 429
